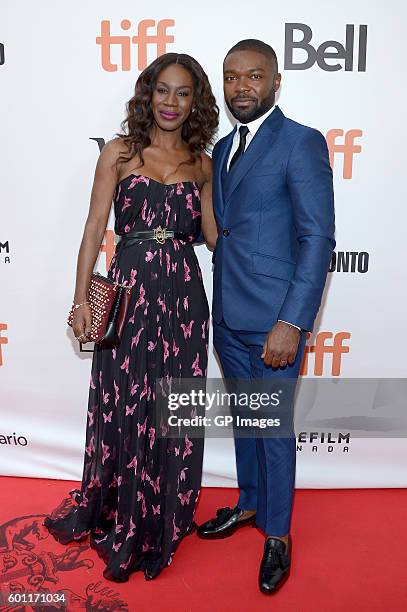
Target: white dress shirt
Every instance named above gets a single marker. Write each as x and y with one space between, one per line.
253 128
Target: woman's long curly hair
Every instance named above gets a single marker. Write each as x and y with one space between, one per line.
199 129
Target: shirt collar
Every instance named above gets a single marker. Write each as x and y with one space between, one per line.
255 125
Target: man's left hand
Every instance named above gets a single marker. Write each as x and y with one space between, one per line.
281 345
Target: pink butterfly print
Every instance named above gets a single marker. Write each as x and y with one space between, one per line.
141 298
127 203
132 528
135 339
150 217
113 484
144 210
145 547
143 474
197 193
187 270
180 187
166 351
151 435
133 274
133 464
134 388
188 446
195 213
114 353
187 329
130 410
159 331
105 396
94 482
182 474
125 364
147 302
84 502
126 565
161 303
140 496
203 330
161 256
91 448
151 345
155 484
175 348
90 416
116 392
167 210
141 428
127 228
116 546
92 384
139 179
177 307
186 303
118 528
195 366
118 192
100 377
184 498
168 259
150 255
193 413
105 451
102 540
108 417
176 531
145 390
176 449
156 509
174 266
175 241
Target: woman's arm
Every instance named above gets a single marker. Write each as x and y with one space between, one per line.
209 228
104 184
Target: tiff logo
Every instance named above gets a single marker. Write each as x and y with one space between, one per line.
321 349
331 49
143 39
3 340
348 148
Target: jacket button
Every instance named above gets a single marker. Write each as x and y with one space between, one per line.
226 232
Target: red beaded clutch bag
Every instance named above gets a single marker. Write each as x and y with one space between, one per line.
108 302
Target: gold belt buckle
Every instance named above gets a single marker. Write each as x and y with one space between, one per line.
160 234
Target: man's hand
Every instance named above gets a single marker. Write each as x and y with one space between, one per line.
281 345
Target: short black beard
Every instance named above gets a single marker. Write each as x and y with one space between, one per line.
245 116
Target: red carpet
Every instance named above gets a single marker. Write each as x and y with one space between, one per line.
349 554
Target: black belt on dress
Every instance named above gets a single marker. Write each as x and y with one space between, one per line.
159 234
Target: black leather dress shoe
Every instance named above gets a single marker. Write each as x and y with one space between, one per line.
225 523
275 565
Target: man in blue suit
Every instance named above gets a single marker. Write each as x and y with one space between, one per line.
274 208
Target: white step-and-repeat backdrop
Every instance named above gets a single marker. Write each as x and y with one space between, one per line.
66 71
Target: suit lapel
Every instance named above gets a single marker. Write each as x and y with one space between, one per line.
219 197
260 143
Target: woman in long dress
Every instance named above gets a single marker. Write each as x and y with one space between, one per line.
139 489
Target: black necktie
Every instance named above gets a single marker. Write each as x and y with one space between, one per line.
243 131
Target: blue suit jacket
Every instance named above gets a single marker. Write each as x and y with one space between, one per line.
275 218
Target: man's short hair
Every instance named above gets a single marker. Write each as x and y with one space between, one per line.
252 44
